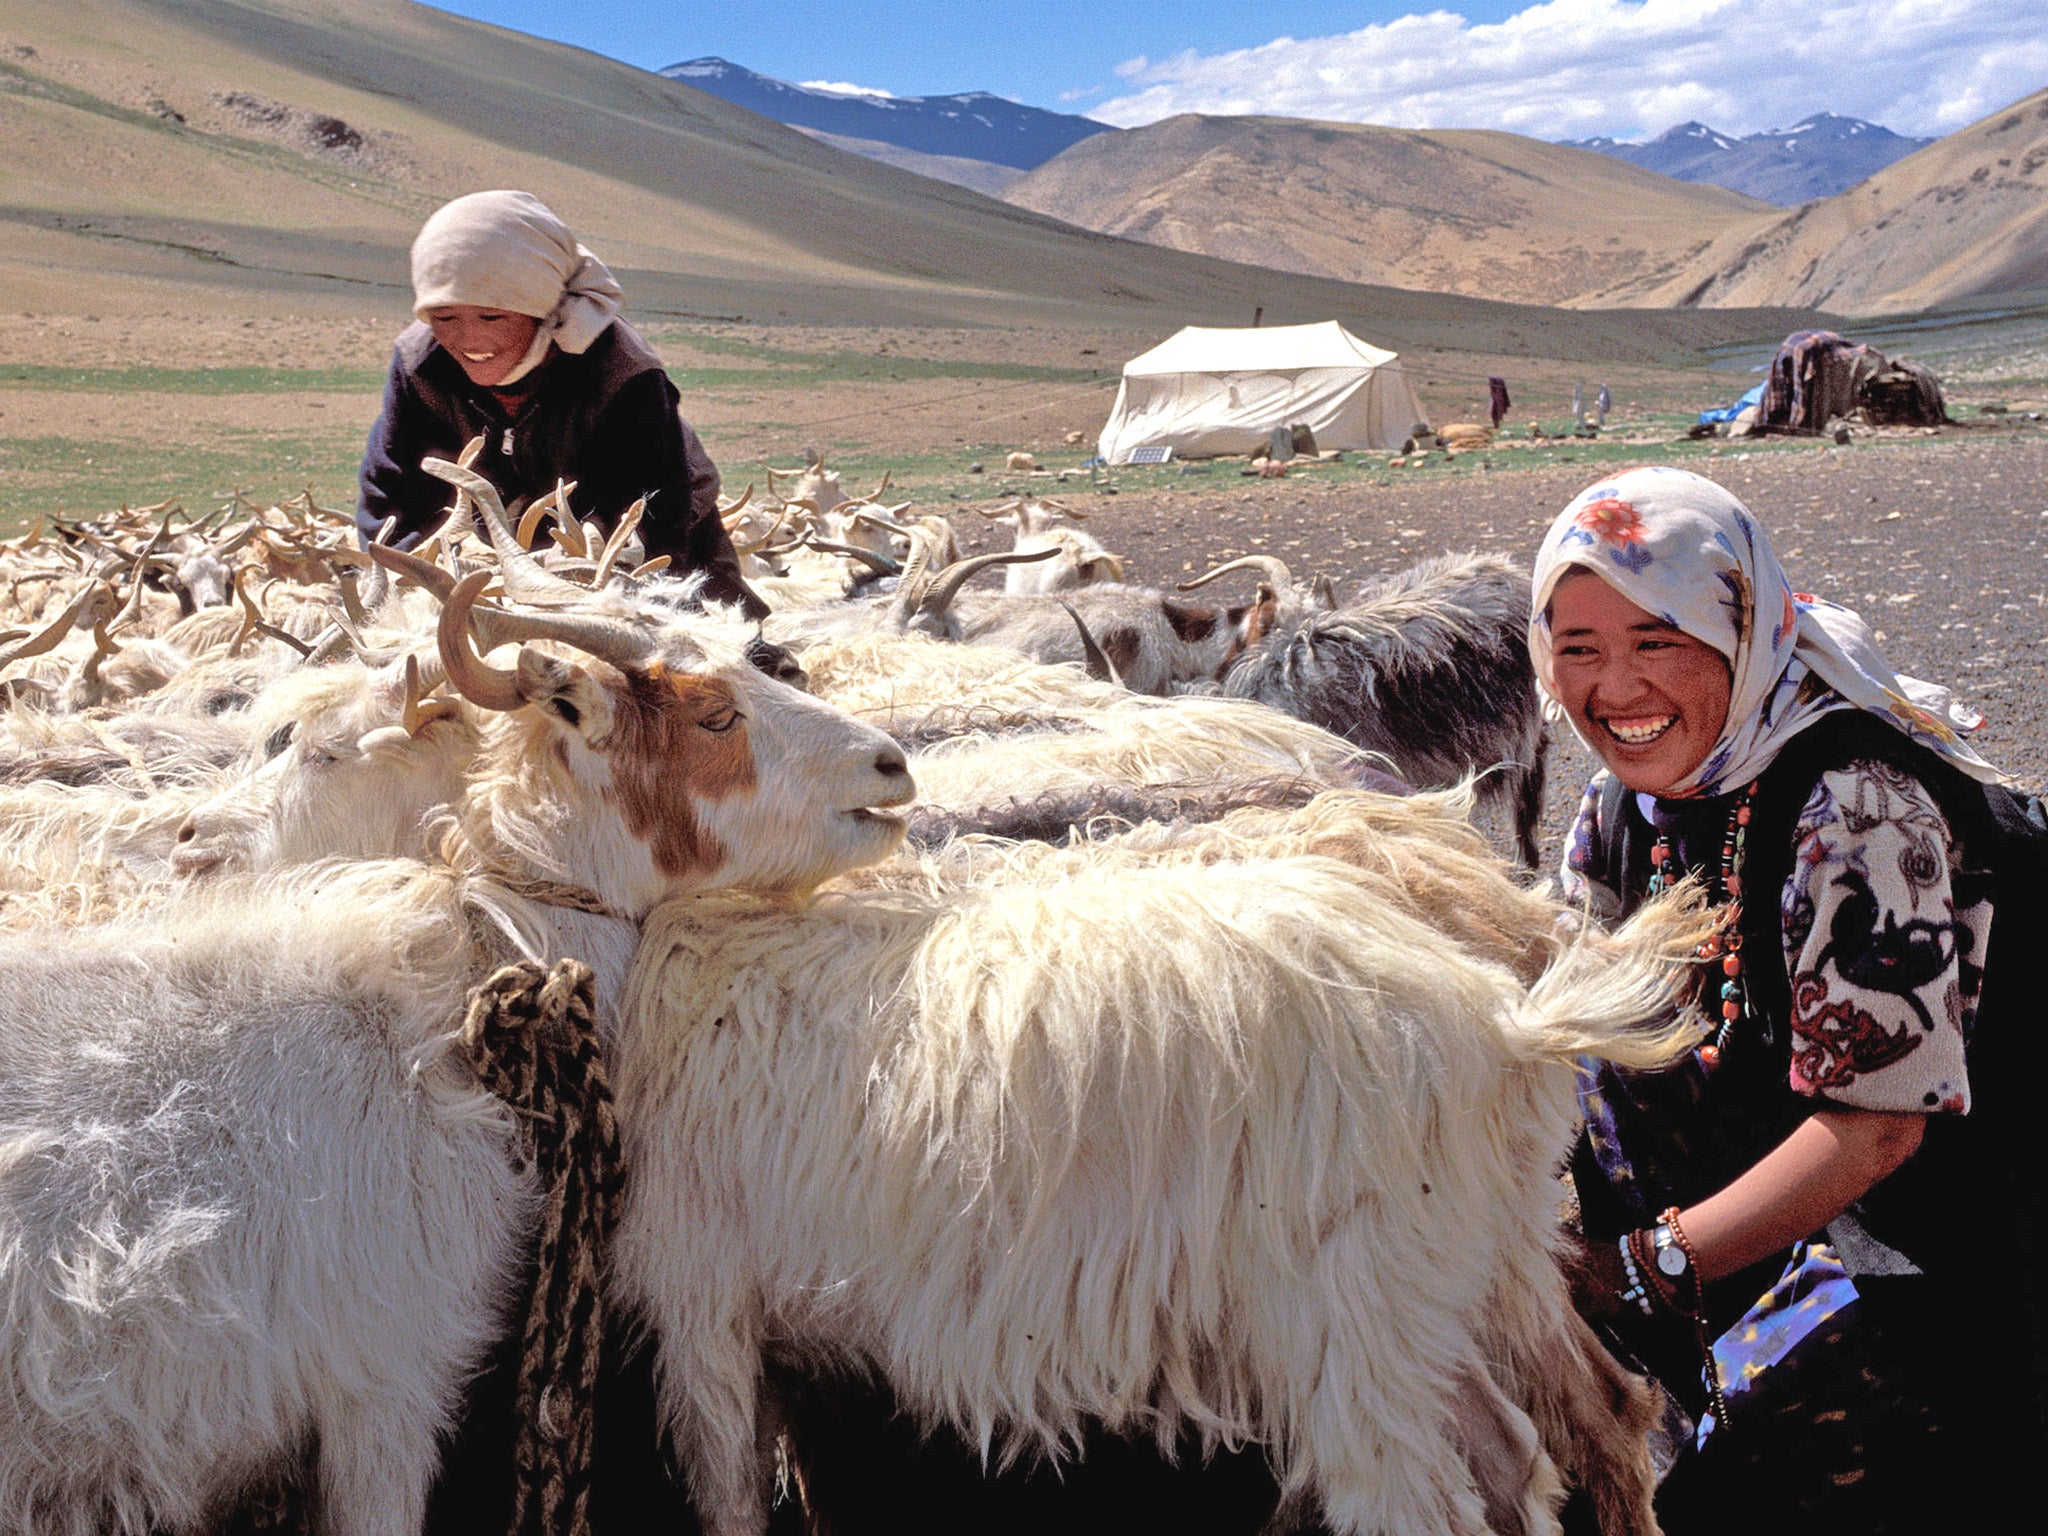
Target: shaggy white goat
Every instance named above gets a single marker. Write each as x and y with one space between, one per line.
1237 1148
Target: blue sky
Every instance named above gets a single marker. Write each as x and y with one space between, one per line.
1555 69
1033 52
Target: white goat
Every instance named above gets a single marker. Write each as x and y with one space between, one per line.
1081 561
1247 1150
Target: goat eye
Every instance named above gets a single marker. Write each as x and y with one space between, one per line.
721 722
279 739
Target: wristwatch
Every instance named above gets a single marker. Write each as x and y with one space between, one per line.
1670 1257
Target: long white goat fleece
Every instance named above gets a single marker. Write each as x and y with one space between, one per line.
248 1205
1235 1148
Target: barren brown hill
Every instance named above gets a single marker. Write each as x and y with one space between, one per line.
1964 218
223 154
1493 215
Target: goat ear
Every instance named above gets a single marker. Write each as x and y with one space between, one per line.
566 694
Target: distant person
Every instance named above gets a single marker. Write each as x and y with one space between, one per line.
1497 393
519 340
1578 401
1602 404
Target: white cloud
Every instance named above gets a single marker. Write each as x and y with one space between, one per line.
841 88
1630 68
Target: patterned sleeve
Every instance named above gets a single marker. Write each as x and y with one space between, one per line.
1583 875
1885 933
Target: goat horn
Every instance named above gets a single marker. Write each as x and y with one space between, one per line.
416 715
480 683
624 645
265 627
529 525
765 540
51 635
957 575
1001 511
1100 667
871 495
331 642
526 579
252 615
1326 592
1270 567
351 604
629 521
658 563
424 572
380 578
880 564
732 508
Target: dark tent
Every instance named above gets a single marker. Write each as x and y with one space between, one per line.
1819 377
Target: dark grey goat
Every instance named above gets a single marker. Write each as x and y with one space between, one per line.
1429 665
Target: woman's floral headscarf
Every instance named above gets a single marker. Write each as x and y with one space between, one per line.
1679 546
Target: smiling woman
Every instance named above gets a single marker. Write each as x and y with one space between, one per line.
520 343
1788 1227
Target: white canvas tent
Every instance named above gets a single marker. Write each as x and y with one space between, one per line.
1207 390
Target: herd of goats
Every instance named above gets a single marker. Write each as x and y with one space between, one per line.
1045 1000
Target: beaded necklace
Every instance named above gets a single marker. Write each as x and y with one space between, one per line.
1725 943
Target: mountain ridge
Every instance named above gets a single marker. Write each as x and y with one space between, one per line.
972 125
1817 157
1472 211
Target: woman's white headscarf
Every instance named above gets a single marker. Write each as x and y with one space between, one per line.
1682 548
506 250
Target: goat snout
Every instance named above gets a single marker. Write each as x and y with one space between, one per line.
194 855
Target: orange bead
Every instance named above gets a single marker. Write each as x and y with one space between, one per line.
1658 853
1731 1009
1732 966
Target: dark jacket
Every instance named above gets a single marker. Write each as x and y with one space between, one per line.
606 419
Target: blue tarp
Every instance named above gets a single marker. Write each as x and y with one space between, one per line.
1730 412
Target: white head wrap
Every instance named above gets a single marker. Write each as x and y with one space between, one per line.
1680 547
506 250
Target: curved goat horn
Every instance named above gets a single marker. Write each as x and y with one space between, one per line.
1100 667
483 685
1002 511
881 565
1270 567
380 578
526 579
51 635
734 508
416 715
954 576
629 520
625 645
403 563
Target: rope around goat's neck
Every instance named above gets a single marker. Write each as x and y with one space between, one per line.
455 850
531 1035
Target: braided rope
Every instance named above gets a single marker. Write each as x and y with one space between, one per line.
531 1035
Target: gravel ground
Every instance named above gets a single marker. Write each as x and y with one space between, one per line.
1938 542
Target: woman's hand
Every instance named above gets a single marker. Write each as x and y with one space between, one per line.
1799 1186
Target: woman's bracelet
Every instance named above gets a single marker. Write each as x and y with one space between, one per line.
1638 1289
